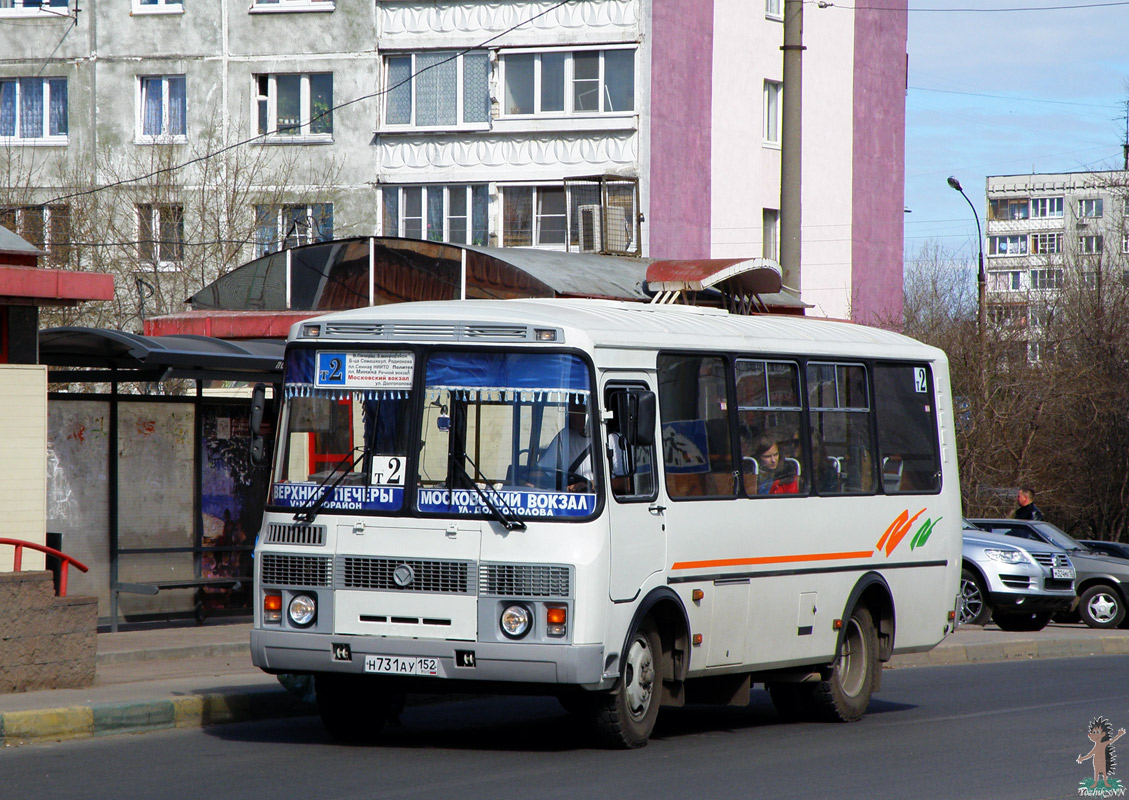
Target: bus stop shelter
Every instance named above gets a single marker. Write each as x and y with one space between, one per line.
150 481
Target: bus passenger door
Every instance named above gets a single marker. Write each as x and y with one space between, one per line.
637 521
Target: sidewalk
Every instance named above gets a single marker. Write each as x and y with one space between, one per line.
196 676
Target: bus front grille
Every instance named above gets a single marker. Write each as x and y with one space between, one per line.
404 574
312 535
285 570
524 580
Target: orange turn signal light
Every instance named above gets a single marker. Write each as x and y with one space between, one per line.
555 616
697 595
272 602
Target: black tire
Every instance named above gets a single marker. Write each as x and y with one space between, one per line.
1029 622
974 608
625 717
845 694
1101 606
353 708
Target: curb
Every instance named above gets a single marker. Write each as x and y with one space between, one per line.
1021 650
174 653
108 719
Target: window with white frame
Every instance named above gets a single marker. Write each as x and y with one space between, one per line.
47 227
158 6
437 89
1089 245
1046 207
1125 243
770 231
1010 245
160 235
292 5
773 93
295 106
18 8
1046 278
34 109
1090 208
574 82
534 216
455 214
162 109
1046 243
291 225
1005 281
774 9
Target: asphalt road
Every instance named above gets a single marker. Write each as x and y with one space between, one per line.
1001 730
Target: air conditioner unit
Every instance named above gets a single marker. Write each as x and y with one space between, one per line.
590 239
616 238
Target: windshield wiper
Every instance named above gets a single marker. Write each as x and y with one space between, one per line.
508 522
308 512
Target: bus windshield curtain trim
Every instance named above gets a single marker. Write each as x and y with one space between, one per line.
293 390
507 395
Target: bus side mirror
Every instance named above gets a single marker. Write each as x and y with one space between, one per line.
258 411
635 416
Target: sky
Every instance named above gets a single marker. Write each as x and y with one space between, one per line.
1007 87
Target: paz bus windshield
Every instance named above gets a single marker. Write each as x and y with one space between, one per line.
503 435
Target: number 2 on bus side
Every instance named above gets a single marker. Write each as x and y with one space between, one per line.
387 471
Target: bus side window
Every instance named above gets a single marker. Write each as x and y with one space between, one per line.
769 413
630 467
696 433
839 405
907 429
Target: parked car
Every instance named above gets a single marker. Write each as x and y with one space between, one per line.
1102 583
1115 549
1018 584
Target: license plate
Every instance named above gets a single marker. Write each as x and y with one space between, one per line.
403 665
1063 573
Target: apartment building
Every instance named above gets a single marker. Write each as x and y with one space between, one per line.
1044 231
171 140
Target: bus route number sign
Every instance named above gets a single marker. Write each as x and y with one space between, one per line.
364 370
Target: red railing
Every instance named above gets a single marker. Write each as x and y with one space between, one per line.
64 560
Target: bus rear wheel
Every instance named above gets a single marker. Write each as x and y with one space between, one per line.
845 693
353 708
626 717
844 696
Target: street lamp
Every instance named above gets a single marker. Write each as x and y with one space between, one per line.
981 279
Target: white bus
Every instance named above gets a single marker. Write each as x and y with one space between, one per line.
623 505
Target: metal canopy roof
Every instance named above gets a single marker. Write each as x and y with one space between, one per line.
115 356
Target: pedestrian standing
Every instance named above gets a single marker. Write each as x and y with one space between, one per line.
1027 508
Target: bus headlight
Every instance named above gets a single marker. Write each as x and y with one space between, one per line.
303 610
515 621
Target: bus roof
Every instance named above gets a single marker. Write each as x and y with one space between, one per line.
600 324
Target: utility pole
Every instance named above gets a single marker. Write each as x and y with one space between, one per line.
791 144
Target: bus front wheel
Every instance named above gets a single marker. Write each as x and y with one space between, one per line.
625 717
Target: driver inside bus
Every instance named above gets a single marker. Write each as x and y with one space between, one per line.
567 461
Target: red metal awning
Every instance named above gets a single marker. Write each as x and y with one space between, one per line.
228 324
53 287
741 276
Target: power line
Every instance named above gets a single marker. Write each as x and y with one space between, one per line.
206 156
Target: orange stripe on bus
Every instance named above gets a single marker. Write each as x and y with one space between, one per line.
744 562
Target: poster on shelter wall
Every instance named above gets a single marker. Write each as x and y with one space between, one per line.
233 493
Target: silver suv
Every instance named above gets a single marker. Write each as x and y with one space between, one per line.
1017 583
